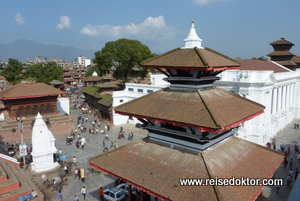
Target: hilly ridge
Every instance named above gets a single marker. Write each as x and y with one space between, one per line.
23 49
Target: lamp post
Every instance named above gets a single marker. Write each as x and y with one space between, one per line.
20 127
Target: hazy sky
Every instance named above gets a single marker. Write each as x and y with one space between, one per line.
236 28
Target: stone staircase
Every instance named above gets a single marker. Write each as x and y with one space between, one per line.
11 125
14 182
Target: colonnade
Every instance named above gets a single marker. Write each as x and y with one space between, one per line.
282 97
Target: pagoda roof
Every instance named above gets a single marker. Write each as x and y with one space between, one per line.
92 91
156 168
20 91
212 110
107 85
286 63
282 41
106 100
56 82
296 59
204 59
280 53
92 79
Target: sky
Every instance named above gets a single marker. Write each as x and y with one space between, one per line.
236 28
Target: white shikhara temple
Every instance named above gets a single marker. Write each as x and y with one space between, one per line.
43 147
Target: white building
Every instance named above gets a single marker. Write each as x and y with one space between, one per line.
133 91
271 85
83 61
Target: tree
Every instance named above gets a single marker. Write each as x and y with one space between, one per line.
124 54
12 72
44 72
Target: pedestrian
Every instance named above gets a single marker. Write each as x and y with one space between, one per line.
93 124
277 188
76 173
289 180
83 192
60 152
90 130
77 144
296 173
131 136
74 161
285 163
108 127
295 126
76 198
99 124
103 143
282 148
66 169
111 144
291 164
274 145
59 196
82 144
101 194
79 173
289 151
86 120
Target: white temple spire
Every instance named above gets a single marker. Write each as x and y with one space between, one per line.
95 73
192 40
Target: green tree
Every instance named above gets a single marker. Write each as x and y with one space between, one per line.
13 71
44 72
124 54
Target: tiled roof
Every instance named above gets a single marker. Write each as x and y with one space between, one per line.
55 82
106 100
208 110
238 158
296 59
107 85
282 41
157 169
262 65
92 79
92 91
280 53
30 91
286 63
205 59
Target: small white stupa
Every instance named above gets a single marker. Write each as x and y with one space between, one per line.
43 147
192 40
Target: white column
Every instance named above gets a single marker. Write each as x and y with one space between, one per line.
283 97
274 100
278 99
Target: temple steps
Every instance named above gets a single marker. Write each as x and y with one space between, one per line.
56 119
14 182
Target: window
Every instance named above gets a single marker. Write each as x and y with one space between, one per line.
130 89
140 90
149 91
121 101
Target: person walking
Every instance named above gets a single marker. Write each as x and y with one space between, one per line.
101 194
77 144
74 161
83 192
76 198
291 164
59 196
82 144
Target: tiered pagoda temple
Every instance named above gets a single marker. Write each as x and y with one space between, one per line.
191 126
282 54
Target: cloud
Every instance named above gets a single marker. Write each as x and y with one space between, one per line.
205 2
65 23
19 19
150 26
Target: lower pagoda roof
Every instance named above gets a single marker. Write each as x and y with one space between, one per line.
210 110
157 169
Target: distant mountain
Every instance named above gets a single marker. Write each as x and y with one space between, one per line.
23 49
